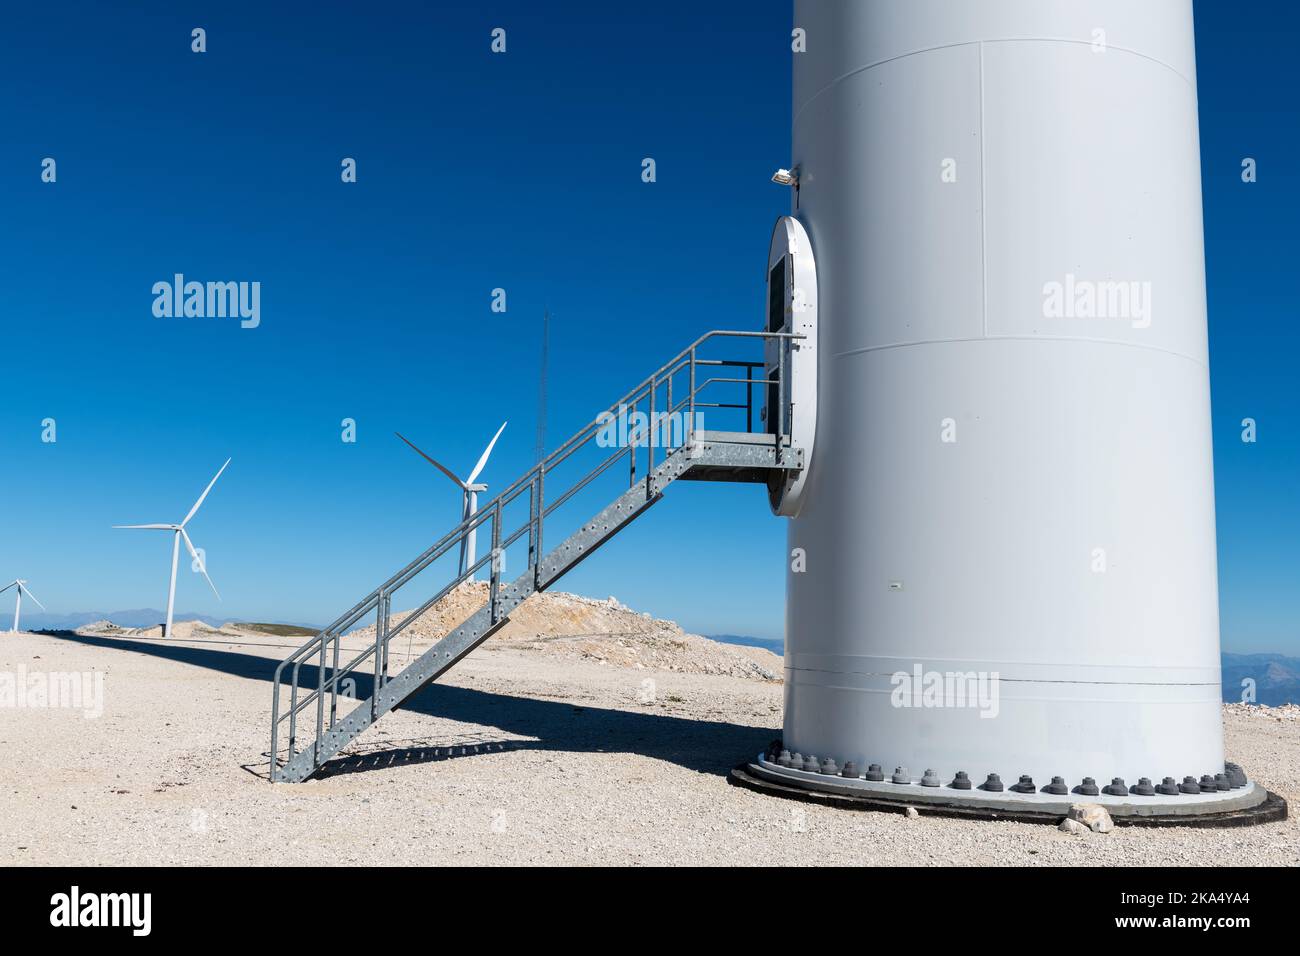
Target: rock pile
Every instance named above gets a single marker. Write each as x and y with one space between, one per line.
564 625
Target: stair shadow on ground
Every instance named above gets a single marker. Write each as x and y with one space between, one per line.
705 746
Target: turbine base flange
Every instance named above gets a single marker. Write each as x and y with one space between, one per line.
1246 805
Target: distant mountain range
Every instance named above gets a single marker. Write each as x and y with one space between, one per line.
139 617
1276 677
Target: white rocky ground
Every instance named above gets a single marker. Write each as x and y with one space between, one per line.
552 750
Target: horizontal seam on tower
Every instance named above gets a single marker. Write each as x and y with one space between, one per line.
1021 338
948 46
968 661
1030 680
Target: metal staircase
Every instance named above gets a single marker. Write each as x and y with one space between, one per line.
636 428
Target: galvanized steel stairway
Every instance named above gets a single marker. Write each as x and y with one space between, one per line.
688 453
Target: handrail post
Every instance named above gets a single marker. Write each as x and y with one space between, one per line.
749 397
388 623
334 682
379 663
631 446
780 399
532 522
652 433
275 723
320 703
293 710
541 522
668 406
495 576
690 417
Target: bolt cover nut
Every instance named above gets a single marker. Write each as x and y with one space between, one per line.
1143 788
1024 785
1169 787
1116 788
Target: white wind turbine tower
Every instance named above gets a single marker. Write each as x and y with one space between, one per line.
21 585
469 491
178 532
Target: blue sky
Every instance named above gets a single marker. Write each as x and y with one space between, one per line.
475 172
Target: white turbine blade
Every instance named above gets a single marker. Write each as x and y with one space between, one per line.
28 591
202 569
205 494
486 451
441 467
151 527
7 587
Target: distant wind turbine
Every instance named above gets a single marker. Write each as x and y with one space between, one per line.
178 532
21 585
469 490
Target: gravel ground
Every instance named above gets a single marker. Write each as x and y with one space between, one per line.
516 759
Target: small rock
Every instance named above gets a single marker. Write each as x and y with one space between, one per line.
911 813
1093 816
1072 826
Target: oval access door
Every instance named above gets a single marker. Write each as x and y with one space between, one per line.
790 365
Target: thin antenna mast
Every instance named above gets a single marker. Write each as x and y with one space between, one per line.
540 450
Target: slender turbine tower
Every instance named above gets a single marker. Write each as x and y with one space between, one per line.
469 492
178 532
21 586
